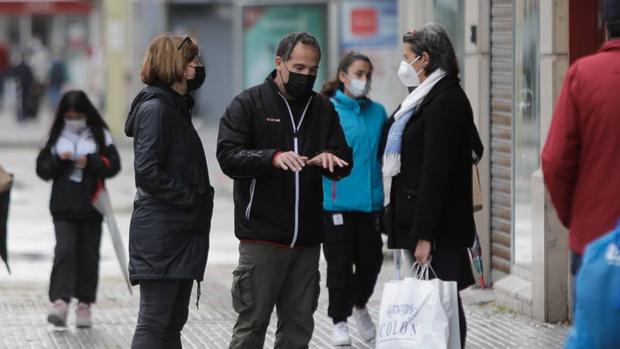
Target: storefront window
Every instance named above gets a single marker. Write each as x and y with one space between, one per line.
265 25
526 128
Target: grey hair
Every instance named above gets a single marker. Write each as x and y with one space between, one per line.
288 43
433 39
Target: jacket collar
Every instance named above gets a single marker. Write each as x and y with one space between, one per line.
271 81
183 103
443 84
611 45
350 103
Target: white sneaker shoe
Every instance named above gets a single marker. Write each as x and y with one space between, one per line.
340 334
83 317
57 314
364 323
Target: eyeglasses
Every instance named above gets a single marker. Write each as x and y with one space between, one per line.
186 40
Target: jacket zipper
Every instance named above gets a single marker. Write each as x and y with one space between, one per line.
249 208
296 229
296 149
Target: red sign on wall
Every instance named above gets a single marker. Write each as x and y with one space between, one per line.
364 21
45 7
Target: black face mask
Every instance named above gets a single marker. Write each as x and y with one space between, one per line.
198 80
299 86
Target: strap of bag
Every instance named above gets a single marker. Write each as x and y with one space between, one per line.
397 262
423 271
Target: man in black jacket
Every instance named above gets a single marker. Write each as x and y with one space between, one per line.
276 140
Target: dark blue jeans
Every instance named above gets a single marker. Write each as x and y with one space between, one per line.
575 265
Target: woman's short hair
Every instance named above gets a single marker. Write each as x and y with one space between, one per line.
433 39
166 58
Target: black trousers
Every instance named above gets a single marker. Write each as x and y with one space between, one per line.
353 250
163 313
76 260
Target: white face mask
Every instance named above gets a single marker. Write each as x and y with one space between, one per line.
358 88
408 75
75 125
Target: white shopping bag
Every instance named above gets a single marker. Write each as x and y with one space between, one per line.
417 312
448 293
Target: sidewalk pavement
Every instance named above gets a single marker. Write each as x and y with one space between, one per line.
23 295
24 306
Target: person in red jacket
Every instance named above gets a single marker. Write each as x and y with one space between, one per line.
581 159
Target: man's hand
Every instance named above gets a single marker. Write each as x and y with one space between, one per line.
289 161
327 161
81 162
423 251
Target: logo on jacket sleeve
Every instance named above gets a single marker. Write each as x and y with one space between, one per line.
272 119
613 255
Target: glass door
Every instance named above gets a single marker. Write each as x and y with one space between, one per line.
526 128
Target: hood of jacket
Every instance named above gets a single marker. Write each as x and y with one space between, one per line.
165 94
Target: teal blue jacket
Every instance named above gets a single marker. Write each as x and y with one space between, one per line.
362 121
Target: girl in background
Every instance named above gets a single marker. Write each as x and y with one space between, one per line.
353 205
78 156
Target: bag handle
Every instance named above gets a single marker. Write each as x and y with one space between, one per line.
397 262
417 270
422 271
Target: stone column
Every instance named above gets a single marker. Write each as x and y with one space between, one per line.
550 284
477 86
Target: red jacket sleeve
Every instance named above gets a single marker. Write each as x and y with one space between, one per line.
560 156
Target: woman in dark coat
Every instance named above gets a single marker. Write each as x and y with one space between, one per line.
169 232
428 156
